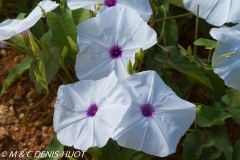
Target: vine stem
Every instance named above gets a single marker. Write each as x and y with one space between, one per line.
30 108
174 17
196 33
163 25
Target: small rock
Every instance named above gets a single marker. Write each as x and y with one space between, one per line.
3 134
32 95
44 135
11 111
7 115
10 102
3 52
17 96
44 128
15 129
21 116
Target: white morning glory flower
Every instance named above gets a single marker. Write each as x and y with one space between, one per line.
141 6
215 12
10 27
108 41
156 119
87 112
228 41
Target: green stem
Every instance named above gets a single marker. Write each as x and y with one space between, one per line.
196 33
162 47
164 24
41 123
62 66
68 74
30 108
174 17
209 57
61 78
15 46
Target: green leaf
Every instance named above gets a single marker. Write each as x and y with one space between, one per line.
183 65
209 116
48 61
178 3
232 100
61 28
208 154
110 150
168 79
207 43
192 144
80 15
221 140
185 84
18 40
218 86
54 147
38 29
124 154
141 156
22 6
16 72
152 63
236 151
170 33
95 152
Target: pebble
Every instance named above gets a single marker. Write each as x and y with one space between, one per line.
17 96
10 102
7 115
32 95
44 128
3 134
21 116
3 52
44 135
15 129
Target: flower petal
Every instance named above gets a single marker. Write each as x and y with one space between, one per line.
228 41
216 12
87 4
94 60
142 7
162 127
73 125
16 26
93 67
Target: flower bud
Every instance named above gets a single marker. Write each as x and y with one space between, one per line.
129 67
74 46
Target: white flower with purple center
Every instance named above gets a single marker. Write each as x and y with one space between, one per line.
87 112
228 41
215 12
108 41
10 27
156 119
141 6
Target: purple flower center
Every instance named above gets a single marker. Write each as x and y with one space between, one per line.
92 110
115 52
110 3
147 110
